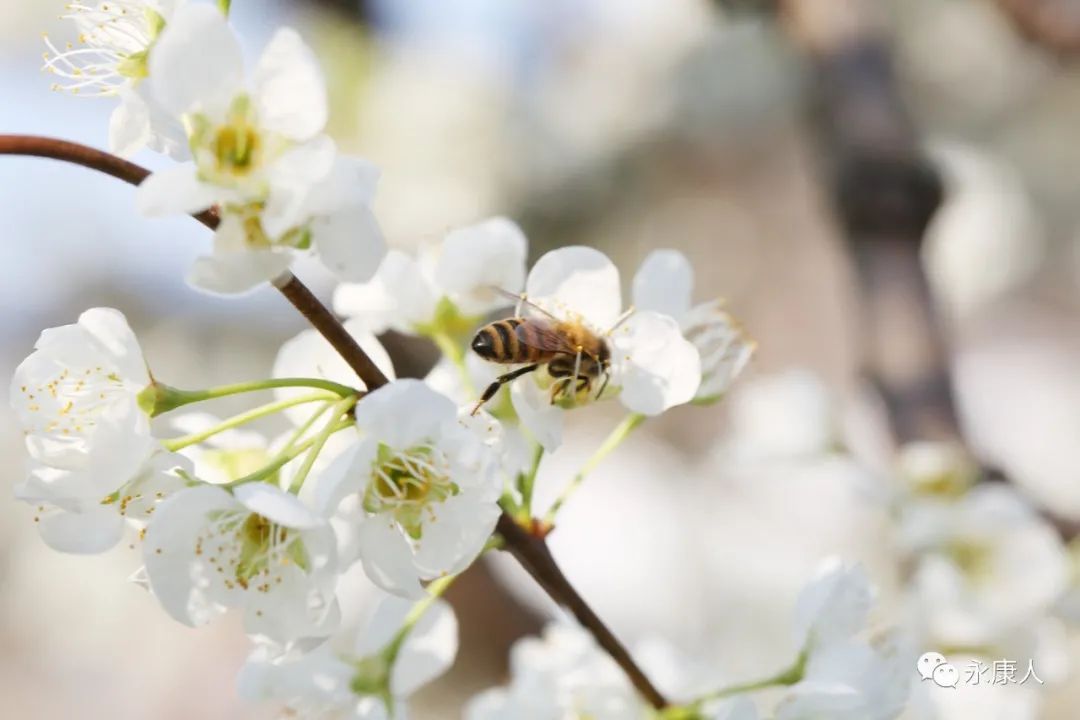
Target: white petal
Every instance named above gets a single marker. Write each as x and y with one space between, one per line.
177 579
173 191
94 529
452 541
110 328
291 179
350 243
542 419
196 63
387 558
577 280
657 367
351 181
428 651
129 125
310 355
664 283
342 477
404 413
473 260
290 92
398 296
235 268
276 505
835 605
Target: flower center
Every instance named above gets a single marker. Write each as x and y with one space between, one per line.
70 401
249 550
229 152
114 44
974 558
407 483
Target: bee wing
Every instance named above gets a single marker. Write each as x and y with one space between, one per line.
520 298
542 335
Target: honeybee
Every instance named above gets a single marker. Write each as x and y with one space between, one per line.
573 355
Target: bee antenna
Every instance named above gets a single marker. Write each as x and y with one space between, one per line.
621 319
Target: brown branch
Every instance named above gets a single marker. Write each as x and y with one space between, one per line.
533 554
884 193
531 551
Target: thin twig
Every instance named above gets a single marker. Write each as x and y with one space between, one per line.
531 551
534 555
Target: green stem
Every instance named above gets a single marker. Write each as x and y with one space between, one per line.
336 411
435 590
224 5
159 398
456 355
307 425
179 443
613 440
285 457
527 481
790 676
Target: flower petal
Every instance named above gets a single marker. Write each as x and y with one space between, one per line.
290 91
428 651
176 574
387 558
291 179
577 280
404 413
474 261
657 367
173 191
110 328
235 268
350 243
537 414
309 354
664 283
454 540
196 63
129 125
94 529
276 505
399 296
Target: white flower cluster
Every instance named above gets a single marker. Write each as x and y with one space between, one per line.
988 575
402 483
839 674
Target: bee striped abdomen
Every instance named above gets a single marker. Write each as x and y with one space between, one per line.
498 342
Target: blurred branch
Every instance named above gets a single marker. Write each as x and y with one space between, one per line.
884 193
1053 24
530 550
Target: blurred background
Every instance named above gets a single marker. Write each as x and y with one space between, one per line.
628 125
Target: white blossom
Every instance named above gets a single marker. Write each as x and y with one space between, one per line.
357 676
256 547
419 487
77 400
843 677
448 283
653 367
986 564
310 355
561 675
73 524
664 283
260 156
111 58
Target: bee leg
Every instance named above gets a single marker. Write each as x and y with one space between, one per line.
499 382
603 385
558 388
